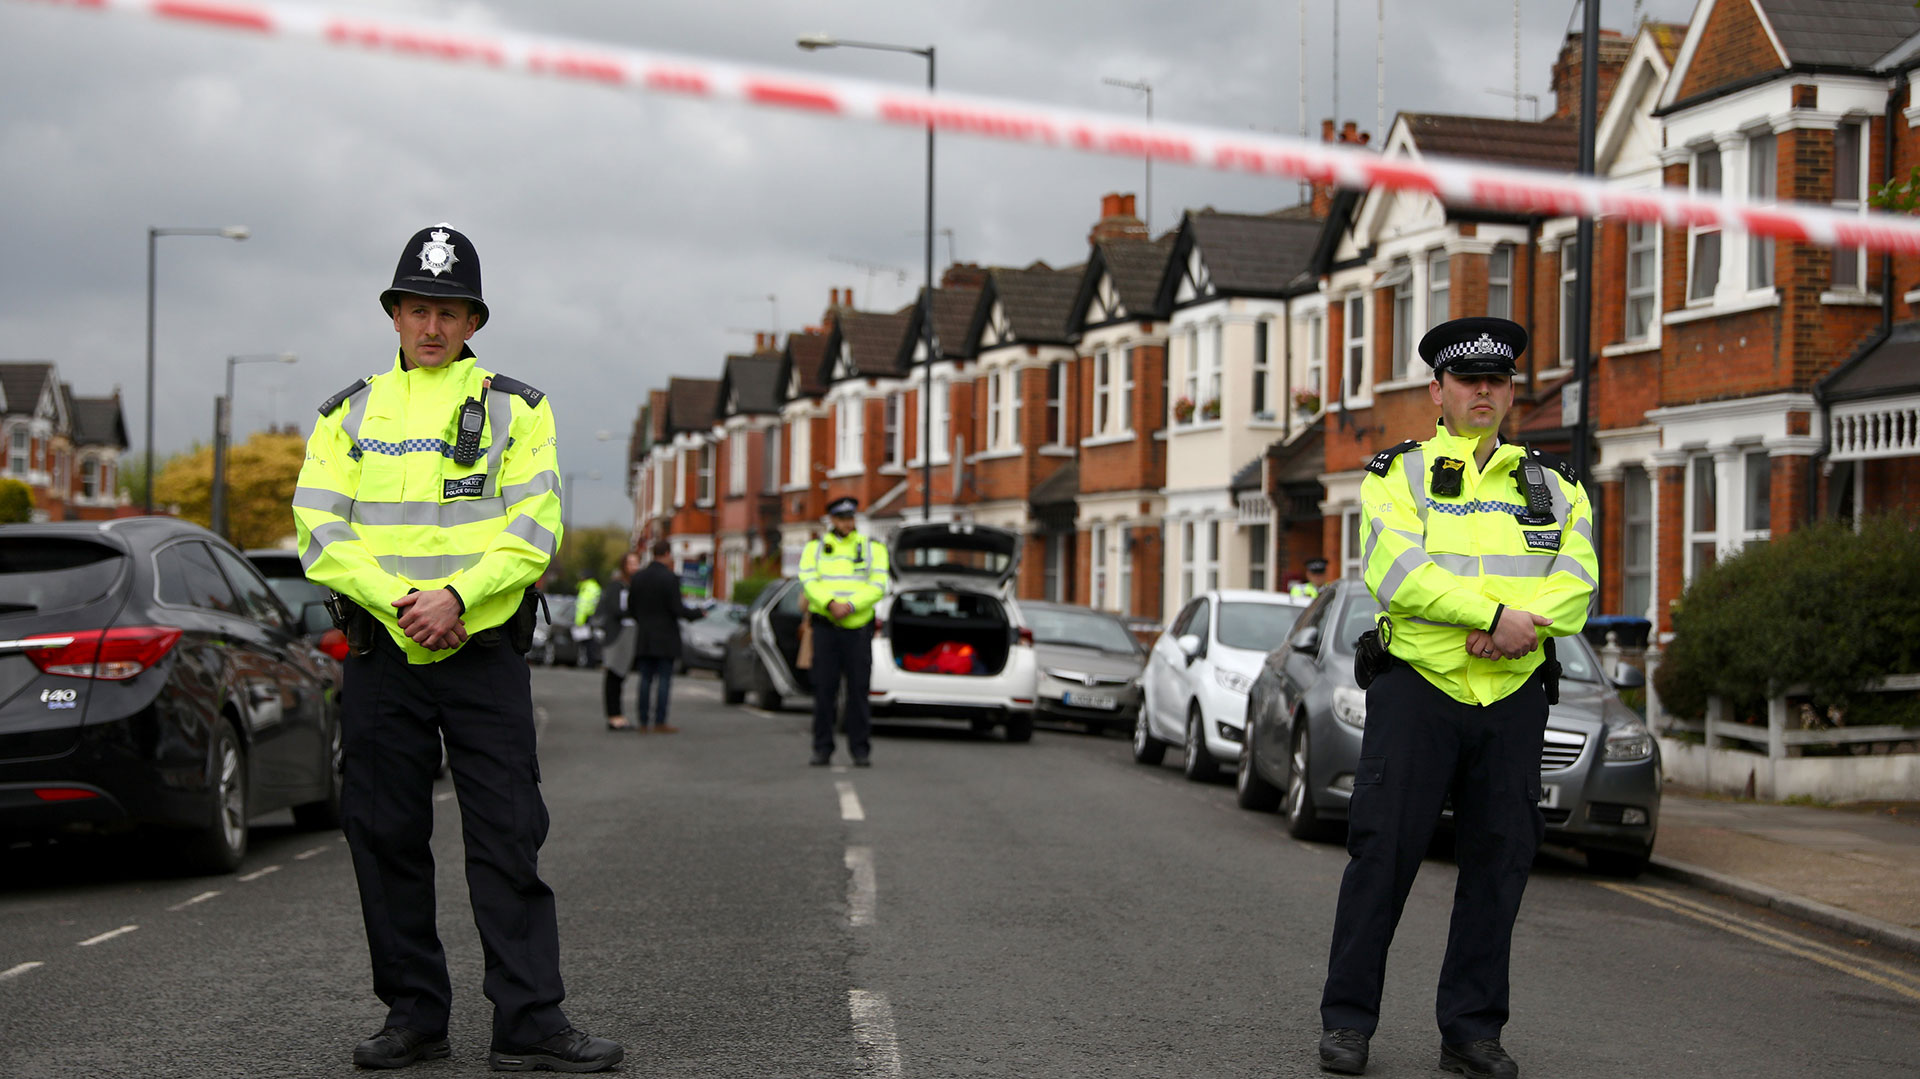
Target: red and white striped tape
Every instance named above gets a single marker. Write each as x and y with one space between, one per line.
1460 181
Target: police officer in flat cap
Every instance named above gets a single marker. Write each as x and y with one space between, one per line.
844 574
1479 550
1316 576
430 503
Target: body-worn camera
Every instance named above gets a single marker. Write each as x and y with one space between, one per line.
1370 658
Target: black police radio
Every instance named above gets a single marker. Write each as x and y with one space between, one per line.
1531 481
466 446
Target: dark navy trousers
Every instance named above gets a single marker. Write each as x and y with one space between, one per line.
842 653
393 715
1420 746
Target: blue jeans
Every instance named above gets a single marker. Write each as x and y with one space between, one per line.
656 679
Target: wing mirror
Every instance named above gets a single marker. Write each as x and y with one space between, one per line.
1306 640
1628 676
1189 645
314 619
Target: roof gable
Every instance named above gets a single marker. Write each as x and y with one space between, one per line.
800 371
1839 33
692 404
1221 254
1721 47
1629 110
27 386
750 385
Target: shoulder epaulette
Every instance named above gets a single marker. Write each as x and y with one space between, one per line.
508 384
1557 463
327 406
1382 462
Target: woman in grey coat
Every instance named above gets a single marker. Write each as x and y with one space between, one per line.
616 633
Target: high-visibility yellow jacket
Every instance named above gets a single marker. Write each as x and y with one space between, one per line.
383 508
1442 565
853 569
585 601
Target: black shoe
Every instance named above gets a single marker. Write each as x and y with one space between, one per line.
397 1047
819 759
568 1051
862 762
1343 1050
1483 1059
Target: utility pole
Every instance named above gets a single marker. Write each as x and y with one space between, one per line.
1583 285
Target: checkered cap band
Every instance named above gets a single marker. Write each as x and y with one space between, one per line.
1483 345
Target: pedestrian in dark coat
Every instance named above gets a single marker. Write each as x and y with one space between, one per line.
654 604
616 630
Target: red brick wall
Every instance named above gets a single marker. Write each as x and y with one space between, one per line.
1612 498
1670 546
1149 580
1140 463
1732 46
1893 486
1787 507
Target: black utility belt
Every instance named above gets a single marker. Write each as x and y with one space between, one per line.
827 622
364 632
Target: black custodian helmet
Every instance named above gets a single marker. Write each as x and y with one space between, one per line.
438 261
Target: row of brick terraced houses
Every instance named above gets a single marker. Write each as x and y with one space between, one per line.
1190 411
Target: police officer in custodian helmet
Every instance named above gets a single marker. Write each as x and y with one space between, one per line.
430 502
1477 549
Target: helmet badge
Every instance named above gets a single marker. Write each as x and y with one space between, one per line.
436 255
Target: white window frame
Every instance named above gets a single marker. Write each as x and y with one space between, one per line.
1124 422
1748 461
1569 298
89 477
1643 239
19 450
1698 537
1636 540
1123 573
1262 369
1192 373
1500 281
703 478
1402 347
1188 548
1439 287
1700 237
1102 419
994 421
736 462
1350 566
1058 373
1258 552
1316 321
1216 358
680 476
1013 404
1097 570
893 431
800 453
1359 386
942 439
1212 564
848 428
1762 186
1053 568
770 459
1853 201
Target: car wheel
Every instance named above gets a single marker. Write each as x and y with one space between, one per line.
1200 765
768 700
1146 748
1020 728
729 693
1251 788
222 844
325 813
1619 863
1302 821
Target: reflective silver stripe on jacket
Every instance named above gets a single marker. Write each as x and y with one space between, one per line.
427 567
317 540
319 498
356 414
541 483
500 417
429 514
1415 462
533 532
1379 528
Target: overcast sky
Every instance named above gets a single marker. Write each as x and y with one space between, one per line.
625 238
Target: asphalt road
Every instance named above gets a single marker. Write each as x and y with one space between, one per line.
966 908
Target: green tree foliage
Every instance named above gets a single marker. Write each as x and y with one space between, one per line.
261 475
16 501
748 589
131 477
587 551
1898 196
1822 607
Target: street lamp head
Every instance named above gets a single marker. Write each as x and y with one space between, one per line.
288 357
811 42
235 232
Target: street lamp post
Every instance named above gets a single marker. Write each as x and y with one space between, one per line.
1142 86
811 42
229 232
223 434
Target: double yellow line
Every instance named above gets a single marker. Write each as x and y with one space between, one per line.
1899 981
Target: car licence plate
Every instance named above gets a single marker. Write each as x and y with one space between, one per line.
1549 796
1090 700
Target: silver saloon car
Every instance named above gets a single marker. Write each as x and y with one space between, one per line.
1089 663
1599 769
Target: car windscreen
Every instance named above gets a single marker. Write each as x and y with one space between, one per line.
1260 627
1358 618
1576 659
952 560
725 616
55 573
295 592
1083 628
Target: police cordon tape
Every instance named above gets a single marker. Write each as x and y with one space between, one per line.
1492 187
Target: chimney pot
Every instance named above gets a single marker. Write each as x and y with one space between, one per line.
848 293
1326 130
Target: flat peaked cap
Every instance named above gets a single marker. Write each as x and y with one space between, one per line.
842 507
1474 346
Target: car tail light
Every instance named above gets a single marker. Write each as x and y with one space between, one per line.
334 643
64 794
112 654
1026 635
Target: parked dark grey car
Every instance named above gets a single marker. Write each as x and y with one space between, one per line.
1089 664
703 641
1599 770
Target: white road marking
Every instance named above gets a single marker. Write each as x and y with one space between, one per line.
849 802
539 721
258 873
201 898
862 893
444 796
873 1033
15 972
761 712
305 854
109 935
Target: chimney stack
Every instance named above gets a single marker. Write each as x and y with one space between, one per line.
1615 50
1349 134
1117 220
963 275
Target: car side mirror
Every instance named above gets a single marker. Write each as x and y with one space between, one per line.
1306 639
314 619
1189 645
1628 676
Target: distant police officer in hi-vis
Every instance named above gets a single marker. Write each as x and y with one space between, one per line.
430 501
1316 576
845 575
1476 548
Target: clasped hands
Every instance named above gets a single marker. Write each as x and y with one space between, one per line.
839 608
432 619
1515 635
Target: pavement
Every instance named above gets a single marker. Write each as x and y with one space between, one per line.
1854 869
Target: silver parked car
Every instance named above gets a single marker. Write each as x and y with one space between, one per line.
1089 664
1599 769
